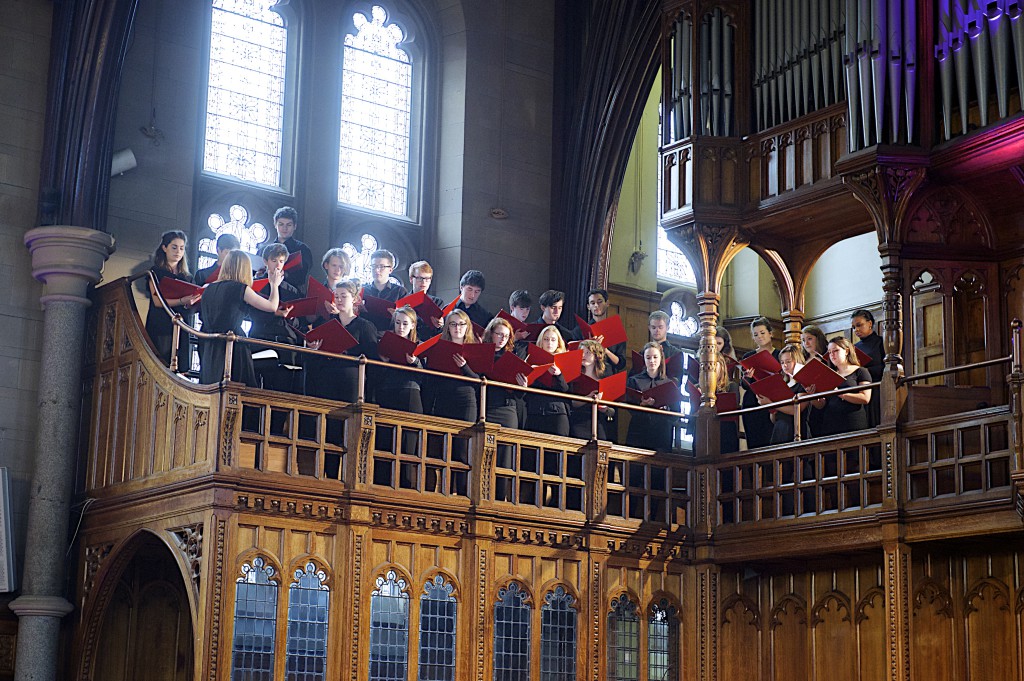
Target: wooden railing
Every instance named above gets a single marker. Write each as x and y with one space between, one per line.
150 430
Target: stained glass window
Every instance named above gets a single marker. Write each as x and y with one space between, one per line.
438 611
376 116
308 601
251 237
680 325
558 636
245 99
663 643
672 264
512 634
623 640
389 629
252 649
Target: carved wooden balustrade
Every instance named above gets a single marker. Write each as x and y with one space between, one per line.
226 474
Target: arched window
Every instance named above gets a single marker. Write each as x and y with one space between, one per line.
438 617
252 649
558 636
308 610
663 643
623 639
673 266
389 629
246 92
377 95
252 236
512 634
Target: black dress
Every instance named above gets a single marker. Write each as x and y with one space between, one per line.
784 429
650 431
455 399
397 389
841 416
161 329
549 414
224 309
501 403
874 346
274 374
338 379
757 425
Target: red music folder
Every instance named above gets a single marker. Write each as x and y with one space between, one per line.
260 285
724 401
440 355
378 306
693 369
763 363
302 307
774 388
516 325
816 374
571 364
171 288
536 355
611 387
450 306
334 335
508 367
663 395
863 357
314 289
423 347
293 261
421 303
611 329
478 331
393 349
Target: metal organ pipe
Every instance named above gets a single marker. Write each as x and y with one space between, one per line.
728 40
978 37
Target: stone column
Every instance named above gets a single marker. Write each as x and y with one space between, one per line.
67 260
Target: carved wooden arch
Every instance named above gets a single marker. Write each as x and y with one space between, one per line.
979 589
246 557
799 606
299 563
428 575
831 596
669 598
868 601
886 191
930 591
107 577
617 593
946 215
780 270
709 248
549 587
382 569
502 583
749 606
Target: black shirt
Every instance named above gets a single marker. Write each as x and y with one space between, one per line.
391 292
477 314
297 276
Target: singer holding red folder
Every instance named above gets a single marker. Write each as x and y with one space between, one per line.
545 413
650 431
399 389
336 379
501 402
170 261
594 368
456 399
226 304
847 412
792 359
757 425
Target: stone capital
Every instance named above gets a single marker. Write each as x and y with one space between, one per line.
40 606
67 260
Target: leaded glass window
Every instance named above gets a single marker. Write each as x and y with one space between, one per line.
672 264
663 643
376 116
389 629
438 611
623 640
512 634
252 648
252 237
558 636
308 608
245 98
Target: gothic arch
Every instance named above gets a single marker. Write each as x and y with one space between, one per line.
784 605
841 600
946 215
748 606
